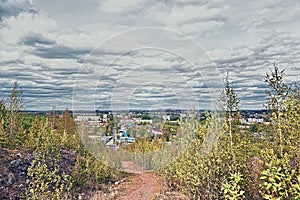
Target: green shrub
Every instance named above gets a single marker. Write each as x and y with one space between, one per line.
232 189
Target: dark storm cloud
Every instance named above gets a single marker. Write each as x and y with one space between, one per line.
36 39
14 7
60 51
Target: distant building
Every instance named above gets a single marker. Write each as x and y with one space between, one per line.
166 117
105 118
122 133
243 126
94 123
81 118
251 120
140 120
126 140
148 121
255 120
157 132
243 120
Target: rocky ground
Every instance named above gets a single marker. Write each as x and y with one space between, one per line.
13 173
135 185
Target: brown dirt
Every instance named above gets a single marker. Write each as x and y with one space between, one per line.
143 186
138 185
135 187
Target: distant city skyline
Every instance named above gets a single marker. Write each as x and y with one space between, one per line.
57 53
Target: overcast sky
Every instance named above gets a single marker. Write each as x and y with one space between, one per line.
87 54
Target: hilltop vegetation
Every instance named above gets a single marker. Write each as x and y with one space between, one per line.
42 157
242 166
46 152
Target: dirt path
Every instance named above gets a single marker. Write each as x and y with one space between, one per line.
143 185
139 185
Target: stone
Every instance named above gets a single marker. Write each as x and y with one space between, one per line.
15 163
11 179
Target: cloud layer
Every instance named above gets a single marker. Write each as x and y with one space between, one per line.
56 50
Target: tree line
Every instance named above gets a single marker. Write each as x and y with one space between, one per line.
242 165
61 167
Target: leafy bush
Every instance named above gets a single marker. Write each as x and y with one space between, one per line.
232 189
47 182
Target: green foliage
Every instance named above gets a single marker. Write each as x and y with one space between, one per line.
14 125
278 89
232 165
46 143
254 128
232 189
47 182
248 169
229 101
42 138
279 177
3 122
296 188
169 130
47 179
12 131
143 145
67 129
88 171
80 172
199 173
146 117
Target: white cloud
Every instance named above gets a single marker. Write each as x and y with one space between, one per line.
14 7
45 49
191 14
253 15
116 6
13 28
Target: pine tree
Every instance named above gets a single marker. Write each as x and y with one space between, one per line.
278 89
3 115
277 95
14 126
67 129
230 103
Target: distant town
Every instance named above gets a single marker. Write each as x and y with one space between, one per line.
247 116
119 127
